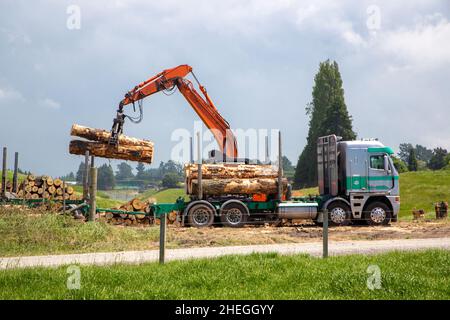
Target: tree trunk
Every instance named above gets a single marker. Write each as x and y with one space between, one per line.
231 170
123 152
237 186
103 136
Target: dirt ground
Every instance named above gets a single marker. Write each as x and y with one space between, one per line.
304 232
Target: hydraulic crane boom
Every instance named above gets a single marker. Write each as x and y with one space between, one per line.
203 106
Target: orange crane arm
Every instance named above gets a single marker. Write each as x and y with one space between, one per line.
203 106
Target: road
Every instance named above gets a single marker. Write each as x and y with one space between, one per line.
312 248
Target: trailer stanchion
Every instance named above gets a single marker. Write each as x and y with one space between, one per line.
16 169
93 194
325 233
280 168
3 191
162 238
200 174
64 196
191 150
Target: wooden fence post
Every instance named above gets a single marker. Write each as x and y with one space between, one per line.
4 173
93 194
325 233
162 238
16 169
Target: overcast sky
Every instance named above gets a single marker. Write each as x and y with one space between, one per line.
256 58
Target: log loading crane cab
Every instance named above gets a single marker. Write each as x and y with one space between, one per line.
169 80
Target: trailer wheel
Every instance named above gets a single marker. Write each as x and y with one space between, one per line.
339 214
377 213
233 214
201 215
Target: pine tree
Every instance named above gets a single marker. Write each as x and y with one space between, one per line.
80 173
140 171
105 177
412 160
328 115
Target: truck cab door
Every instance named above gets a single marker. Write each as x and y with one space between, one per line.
380 173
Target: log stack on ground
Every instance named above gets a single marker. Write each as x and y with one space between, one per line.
233 178
141 208
45 187
98 145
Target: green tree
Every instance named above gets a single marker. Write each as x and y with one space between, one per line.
170 180
140 171
405 148
399 164
80 172
125 171
327 115
105 178
287 164
412 160
438 160
423 153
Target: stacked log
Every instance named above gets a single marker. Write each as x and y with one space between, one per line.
45 187
233 178
143 217
128 148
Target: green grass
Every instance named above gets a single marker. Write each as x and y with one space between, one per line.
164 196
10 173
421 189
419 275
50 233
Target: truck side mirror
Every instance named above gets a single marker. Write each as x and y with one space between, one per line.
386 164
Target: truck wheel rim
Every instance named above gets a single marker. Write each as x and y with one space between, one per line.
337 215
377 215
201 216
234 216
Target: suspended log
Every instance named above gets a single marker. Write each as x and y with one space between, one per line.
231 170
103 136
123 152
237 186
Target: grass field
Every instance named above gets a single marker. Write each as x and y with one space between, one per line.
422 189
419 275
164 196
10 173
49 233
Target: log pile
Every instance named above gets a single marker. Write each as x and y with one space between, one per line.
233 178
45 187
143 217
98 145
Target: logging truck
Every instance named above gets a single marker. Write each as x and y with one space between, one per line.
357 179
357 182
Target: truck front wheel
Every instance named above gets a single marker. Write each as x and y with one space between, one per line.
339 214
377 213
201 215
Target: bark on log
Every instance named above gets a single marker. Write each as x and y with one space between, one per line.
237 186
103 136
123 152
228 170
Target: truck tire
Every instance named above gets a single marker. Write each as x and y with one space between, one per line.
377 213
233 214
339 214
201 214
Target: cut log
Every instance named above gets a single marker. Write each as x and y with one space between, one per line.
49 181
57 182
137 204
103 150
69 190
231 170
103 136
51 189
237 186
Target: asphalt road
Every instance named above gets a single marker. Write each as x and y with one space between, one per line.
312 248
